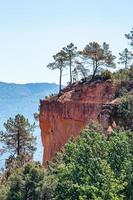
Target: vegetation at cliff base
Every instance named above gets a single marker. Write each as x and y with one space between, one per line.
92 168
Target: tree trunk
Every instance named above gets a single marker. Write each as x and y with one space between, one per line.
60 80
95 70
18 143
70 70
93 65
126 62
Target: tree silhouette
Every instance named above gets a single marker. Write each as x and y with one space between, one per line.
125 57
18 141
59 63
81 70
98 56
71 52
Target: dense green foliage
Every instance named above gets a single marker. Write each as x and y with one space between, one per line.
125 111
85 172
92 168
26 183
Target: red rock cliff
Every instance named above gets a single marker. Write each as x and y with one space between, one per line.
65 116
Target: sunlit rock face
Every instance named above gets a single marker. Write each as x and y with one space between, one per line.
65 115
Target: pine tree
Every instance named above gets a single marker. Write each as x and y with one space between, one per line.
27 183
59 63
98 57
71 52
18 141
125 57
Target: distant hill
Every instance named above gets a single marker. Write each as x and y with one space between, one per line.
23 99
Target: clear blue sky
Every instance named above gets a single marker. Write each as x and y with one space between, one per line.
31 31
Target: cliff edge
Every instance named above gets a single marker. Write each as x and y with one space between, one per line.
65 115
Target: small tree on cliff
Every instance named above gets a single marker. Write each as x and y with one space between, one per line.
129 36
98 56
18 141
71 52
59 63
125 57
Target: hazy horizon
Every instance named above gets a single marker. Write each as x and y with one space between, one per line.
25 83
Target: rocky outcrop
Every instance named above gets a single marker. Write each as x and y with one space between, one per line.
64 116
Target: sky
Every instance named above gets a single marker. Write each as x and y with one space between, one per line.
32 31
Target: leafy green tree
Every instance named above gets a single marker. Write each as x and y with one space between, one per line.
27 183
98 57
18 141
120 158
125 57
71 52
59 63
84 172
125 112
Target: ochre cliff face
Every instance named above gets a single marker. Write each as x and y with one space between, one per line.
65 116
